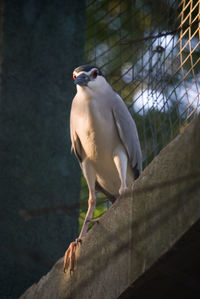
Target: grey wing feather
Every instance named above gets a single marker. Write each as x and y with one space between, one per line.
77 147
76 143
128 133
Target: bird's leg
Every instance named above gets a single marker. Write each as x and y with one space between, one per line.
91 208
90 176
120 160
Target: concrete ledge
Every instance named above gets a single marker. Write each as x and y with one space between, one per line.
137 230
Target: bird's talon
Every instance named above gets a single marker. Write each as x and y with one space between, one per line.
70 256
78 240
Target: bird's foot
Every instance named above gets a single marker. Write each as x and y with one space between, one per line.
123 191
93 220
70 256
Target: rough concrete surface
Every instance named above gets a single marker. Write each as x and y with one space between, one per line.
137 230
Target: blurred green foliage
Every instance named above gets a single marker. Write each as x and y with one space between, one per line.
102 204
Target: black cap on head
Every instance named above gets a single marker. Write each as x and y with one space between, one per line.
87 68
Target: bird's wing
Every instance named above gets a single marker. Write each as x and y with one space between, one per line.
77 147
128 134
76 142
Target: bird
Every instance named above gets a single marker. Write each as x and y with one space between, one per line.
105 141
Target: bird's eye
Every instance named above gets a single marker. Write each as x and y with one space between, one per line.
74 76
94 74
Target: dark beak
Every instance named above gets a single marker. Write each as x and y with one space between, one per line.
82 80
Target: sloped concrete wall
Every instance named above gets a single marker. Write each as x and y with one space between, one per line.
136 230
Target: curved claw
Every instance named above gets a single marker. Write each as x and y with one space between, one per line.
70 255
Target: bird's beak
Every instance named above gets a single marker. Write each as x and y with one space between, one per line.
82 80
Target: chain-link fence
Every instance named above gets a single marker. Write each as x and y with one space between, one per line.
149 51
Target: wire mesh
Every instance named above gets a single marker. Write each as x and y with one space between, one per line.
149 52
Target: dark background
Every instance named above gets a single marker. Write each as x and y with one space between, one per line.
42 42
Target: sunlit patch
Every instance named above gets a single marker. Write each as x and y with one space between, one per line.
127 72
149 99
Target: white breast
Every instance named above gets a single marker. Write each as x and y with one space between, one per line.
92 119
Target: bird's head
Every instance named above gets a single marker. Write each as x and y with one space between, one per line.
89 77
